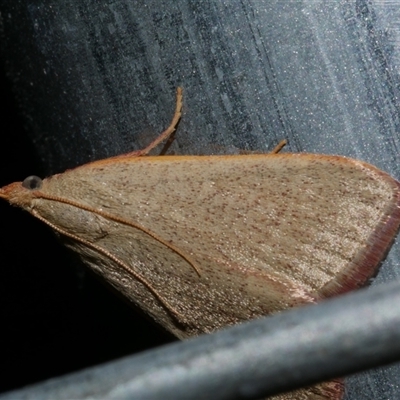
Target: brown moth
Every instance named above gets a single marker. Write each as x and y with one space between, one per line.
203 242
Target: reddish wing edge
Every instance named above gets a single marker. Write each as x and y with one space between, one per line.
366 264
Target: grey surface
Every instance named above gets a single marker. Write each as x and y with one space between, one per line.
250 361
98 79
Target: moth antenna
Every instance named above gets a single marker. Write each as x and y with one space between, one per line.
164 135
124 266
115 218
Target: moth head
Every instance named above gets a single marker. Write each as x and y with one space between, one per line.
21 193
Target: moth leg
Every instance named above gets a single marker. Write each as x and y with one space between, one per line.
279 147
275 150
164 135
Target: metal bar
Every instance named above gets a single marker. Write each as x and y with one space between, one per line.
260 358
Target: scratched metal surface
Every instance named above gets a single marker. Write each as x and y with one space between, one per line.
97 79
250 361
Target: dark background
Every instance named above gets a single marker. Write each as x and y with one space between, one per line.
83 80
55 317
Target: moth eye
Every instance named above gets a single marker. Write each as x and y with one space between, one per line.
32 182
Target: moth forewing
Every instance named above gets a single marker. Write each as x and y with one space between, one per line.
268 232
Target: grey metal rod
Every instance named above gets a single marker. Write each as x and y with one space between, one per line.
260 358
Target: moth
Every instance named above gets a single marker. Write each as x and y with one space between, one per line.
203 242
